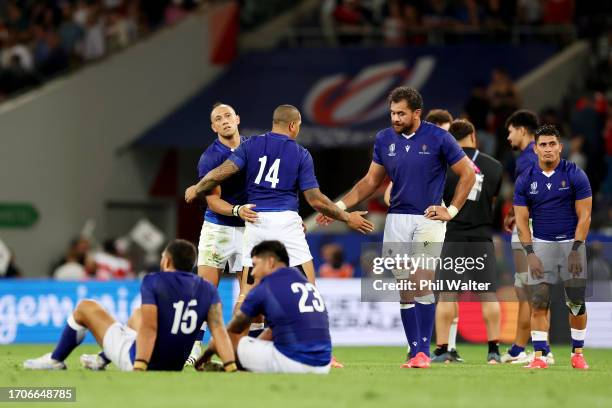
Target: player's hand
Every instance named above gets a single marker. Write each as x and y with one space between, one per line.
247 214
324 220
509 222
574 263
535 266
190 194
358 223
437 212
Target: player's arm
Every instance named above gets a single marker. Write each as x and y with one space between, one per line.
220 206
321 203
521 214
145 339
387 195
467 177
222 344
212 179
583 212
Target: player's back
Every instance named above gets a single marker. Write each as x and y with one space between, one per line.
277 168
296 313
526 159
183 300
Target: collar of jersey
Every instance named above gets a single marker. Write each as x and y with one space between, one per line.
549 174
279 135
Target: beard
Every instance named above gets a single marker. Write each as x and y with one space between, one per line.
402 128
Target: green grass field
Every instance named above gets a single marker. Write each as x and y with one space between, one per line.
372 377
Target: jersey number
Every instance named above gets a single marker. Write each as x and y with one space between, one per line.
317 301
272 175
187 320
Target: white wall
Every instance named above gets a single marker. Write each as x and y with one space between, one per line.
59 145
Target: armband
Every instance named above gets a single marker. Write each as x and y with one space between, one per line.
340 204
452 211
528 249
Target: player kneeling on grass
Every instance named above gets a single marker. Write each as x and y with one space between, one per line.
160 334
297 340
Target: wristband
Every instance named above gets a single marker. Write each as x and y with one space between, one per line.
340 204
452 211
140 365
230 367
528 249
577 245
236 210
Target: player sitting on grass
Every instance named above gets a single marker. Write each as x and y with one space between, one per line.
297 340
159 335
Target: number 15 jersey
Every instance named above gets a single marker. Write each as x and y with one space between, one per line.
182 300
296 314
277 169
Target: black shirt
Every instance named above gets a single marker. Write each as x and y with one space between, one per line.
476 217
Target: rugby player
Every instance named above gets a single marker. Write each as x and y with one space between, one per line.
415 155
557 195
220 244
521 126
159 335
297 339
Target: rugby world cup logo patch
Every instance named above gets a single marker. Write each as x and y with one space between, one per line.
392 149
344 99
534 188
424 149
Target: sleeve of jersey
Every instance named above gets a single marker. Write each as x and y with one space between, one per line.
252 303
451 150
519 193
205 165
147 294
239 156
582 187
376 154
307 178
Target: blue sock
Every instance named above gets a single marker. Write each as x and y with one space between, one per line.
515 350
72 336
426 314
106 359
577 344
546 349
541 345
256 329
411 326
201 335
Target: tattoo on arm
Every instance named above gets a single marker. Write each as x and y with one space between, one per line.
239 323
215 316
216 176
324 205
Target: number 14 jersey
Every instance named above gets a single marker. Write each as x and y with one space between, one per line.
277 169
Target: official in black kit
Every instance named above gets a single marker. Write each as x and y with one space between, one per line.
468 253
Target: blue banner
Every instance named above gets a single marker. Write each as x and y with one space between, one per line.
340 92
35 311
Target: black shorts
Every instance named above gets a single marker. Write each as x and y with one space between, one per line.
467 264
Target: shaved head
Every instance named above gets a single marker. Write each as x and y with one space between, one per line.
285 114
217 107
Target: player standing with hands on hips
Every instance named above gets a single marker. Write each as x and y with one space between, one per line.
415 154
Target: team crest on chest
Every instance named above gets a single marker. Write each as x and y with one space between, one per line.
564 185
424 150
392 149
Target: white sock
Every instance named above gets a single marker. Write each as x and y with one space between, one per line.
452 334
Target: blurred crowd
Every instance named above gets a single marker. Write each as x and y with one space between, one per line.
40 39
400 22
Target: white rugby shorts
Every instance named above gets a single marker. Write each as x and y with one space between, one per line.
415 236
116 344
220 244
283 226
260 356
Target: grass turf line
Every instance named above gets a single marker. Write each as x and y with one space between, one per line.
372 377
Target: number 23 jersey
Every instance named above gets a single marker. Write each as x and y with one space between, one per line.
296 313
